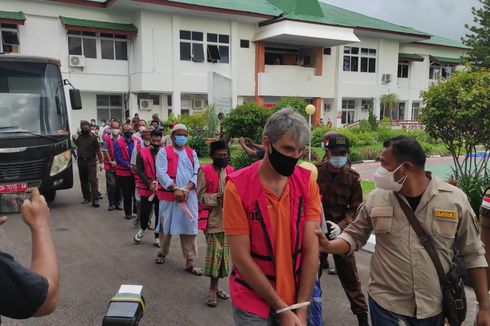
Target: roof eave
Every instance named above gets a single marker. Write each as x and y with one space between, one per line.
100 30
439 46
206 8
420 36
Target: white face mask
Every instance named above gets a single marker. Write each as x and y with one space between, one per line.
384 179
141 129
115 132
146 142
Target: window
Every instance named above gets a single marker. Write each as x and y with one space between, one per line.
438 71
403 69
245 44
327 51
169 100
191 46
366 103
352 56
218 48
82 43
109 106
415 110
399 112
351 59
348 111
9 38
368 60
114 46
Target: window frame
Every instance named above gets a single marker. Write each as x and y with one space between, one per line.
109 107
359 56
400 73
114 39
11 30
348 110
219 44
82 37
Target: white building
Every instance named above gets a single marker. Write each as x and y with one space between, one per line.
148 56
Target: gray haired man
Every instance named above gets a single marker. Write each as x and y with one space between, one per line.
271 210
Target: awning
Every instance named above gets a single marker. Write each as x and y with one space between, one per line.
305 34
12 17
410 57
446 60
98 26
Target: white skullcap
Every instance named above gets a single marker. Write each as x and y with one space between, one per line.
179 126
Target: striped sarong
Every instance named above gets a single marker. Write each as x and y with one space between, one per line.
217 263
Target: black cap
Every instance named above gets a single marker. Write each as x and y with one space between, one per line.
338 143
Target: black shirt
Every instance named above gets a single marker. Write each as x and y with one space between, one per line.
22 291
87 146
414 201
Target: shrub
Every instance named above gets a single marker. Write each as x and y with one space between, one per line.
246 120
317 135
195 123
241 160
296 103
474 186
198 143
371 152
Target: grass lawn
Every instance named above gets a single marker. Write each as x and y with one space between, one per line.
367 187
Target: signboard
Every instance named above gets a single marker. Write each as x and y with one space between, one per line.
220 92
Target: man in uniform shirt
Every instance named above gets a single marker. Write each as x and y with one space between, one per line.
31 292
404 287
485 226
88 148
341 192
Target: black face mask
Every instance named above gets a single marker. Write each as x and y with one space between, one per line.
128 134
155 147
283 164
220 162
85 131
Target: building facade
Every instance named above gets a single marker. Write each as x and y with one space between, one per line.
175 57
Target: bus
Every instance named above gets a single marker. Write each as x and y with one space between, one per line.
35 145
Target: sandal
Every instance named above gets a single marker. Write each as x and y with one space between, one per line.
222 294
159 259
210 301
194 270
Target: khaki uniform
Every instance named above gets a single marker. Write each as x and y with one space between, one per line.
87 147
485 227
403 277
341 197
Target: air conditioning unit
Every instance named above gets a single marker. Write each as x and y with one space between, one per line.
146 104
77 61
198 104
386 79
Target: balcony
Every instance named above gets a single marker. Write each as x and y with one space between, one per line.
291 80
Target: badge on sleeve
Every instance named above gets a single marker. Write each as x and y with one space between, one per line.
445 214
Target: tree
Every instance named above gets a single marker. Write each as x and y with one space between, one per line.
372 119
296 103
388 103
247 120
479 39
457 112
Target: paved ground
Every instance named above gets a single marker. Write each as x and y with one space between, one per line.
96 255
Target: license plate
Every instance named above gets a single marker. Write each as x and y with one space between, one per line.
13 187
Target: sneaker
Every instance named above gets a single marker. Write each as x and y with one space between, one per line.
118 208
139 235
110 208
332 271
156 242
95 203
159 259
85 201
128 217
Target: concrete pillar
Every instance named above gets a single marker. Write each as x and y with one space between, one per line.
315 119
176 102
259 67
319 61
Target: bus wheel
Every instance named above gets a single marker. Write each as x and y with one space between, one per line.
50 195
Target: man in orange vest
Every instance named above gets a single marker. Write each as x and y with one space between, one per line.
271 210
177 166
211 181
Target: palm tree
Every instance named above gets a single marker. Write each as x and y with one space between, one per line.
389 102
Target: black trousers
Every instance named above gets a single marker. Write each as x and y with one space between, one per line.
113 190
87 170
349 278
127 189
145 211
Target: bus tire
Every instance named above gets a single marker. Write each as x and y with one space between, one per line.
49 195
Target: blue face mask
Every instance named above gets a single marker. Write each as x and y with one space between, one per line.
338 161
180 140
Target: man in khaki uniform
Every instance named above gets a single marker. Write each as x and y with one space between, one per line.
341 192
404 287
485 226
